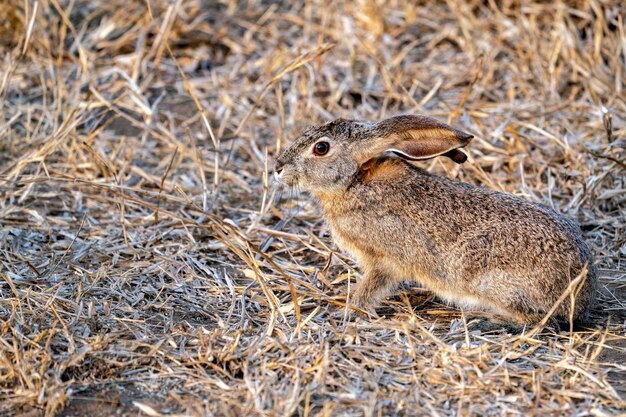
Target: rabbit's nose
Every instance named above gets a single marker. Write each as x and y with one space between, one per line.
278 170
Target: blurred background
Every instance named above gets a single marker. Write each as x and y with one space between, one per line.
149 264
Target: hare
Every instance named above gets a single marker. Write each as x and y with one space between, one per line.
472 246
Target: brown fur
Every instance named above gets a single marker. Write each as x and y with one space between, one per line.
472 246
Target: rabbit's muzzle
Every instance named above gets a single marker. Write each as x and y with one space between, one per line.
278 170
285 176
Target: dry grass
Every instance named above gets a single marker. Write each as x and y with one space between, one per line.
148 265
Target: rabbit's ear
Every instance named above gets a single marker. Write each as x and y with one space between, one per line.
421 137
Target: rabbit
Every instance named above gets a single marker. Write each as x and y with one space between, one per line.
472 246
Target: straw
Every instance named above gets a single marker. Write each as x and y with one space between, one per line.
148 265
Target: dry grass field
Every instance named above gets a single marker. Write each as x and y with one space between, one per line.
149 265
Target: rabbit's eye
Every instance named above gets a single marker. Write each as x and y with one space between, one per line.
321 148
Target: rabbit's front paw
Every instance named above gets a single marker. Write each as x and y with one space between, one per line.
370 291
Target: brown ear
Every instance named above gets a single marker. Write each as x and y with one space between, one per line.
420 137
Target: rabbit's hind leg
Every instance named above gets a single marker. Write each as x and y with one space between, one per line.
518 312
487 325
490 325
510 296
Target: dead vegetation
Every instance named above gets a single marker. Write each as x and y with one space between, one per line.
149 266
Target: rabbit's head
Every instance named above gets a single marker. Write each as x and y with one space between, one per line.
328 157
